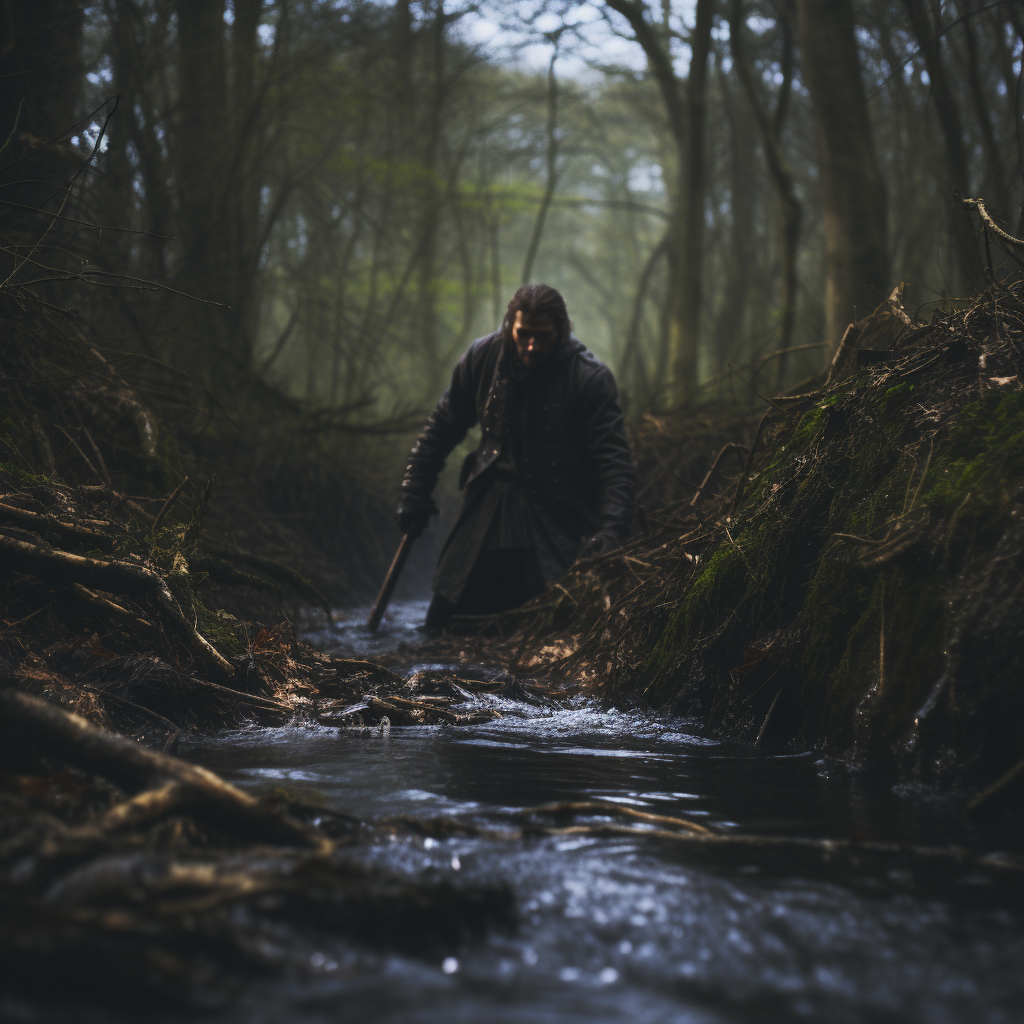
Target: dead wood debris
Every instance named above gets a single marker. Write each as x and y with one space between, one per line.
130 875
127 874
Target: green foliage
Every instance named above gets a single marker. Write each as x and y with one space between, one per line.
227 633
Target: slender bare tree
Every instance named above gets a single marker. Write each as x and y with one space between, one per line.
853 192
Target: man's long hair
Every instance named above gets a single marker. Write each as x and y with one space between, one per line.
536 300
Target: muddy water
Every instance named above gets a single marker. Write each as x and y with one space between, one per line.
631 929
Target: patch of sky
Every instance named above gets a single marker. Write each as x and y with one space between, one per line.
92 133
759 25
102 76
503 31
865 39
925 78
547 23
266 34
646 178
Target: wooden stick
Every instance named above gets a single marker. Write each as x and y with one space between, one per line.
389 583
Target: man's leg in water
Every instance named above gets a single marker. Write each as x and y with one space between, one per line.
502 578
439 613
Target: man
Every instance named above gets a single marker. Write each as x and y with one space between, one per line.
552 476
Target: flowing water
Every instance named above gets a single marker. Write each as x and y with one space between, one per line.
628 928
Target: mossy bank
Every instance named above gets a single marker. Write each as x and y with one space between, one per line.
859 590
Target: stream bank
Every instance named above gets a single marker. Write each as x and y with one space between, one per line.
818 894
856 589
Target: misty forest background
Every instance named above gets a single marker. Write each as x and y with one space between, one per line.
355 189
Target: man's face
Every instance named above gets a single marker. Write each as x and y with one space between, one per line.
534 338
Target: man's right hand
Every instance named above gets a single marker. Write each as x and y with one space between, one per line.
414 512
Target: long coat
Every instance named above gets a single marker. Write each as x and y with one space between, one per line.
561 428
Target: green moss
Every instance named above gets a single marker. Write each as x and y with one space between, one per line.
970 475
221 628
896 395
845 468
807 428
843 655
834 602
720 582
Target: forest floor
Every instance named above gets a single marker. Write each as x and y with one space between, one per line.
846 576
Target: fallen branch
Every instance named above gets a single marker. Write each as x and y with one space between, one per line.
122 577
69 737
999 791
730 446
1010 244
610 807
103 603
275 570
42 524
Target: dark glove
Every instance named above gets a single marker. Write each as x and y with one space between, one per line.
600 544
414 512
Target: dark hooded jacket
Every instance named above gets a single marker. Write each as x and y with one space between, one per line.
556 430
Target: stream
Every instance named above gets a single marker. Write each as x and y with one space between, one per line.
628 928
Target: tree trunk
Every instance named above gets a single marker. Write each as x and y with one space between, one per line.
243 198
551 159
686 321
997 191
41 68
426 325
957 176
201 140
686 124
136 124
790 210
633 365
852 190
731 321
